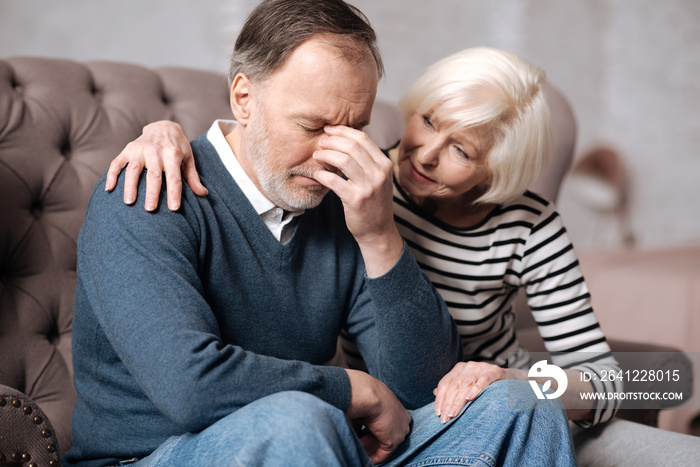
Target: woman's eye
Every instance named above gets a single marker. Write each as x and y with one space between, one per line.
427 121
313 130
461 152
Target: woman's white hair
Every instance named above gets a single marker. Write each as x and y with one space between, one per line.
501 97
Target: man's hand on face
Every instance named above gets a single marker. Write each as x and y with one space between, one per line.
375 409
366 193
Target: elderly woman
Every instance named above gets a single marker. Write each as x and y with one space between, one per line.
477 133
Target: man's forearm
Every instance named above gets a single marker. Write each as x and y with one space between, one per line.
418 340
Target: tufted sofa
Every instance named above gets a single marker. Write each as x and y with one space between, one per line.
61 123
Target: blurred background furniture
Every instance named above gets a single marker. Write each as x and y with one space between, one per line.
653 295
61 123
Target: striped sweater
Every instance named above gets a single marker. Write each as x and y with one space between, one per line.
479 269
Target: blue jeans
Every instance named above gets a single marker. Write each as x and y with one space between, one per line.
294 428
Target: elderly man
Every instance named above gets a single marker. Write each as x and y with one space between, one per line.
200 335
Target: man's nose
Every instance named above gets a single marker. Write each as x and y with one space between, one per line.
320 165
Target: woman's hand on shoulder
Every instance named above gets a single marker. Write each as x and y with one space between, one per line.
463 383
162 147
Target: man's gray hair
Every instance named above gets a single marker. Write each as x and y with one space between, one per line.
276 28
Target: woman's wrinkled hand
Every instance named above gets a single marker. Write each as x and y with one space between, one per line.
463 383
162 147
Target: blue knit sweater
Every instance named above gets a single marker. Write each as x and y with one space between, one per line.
182 318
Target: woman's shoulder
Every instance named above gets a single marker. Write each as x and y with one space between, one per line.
530 202
528 210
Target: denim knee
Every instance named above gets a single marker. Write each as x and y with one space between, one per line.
521 396
296 428
491 431
303 429
301 411
287 428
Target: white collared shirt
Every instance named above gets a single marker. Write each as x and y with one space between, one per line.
281 224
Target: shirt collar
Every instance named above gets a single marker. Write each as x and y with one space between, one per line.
281 224
216 136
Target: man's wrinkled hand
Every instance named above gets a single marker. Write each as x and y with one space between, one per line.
366 191
380 420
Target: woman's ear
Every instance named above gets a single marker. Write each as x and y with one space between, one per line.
241 100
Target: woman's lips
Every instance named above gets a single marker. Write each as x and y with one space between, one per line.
419 177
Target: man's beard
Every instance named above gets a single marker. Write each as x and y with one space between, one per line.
277 186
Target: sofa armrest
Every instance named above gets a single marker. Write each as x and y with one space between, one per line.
638 356
28 436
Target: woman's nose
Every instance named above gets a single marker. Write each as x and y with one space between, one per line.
429 155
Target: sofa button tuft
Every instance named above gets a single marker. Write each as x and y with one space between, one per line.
26 457
3 402
27 410
16 403
16 87
46 433
36 210
65 150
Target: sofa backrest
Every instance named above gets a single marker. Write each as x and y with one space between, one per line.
61 123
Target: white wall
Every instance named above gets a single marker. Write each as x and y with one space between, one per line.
630 70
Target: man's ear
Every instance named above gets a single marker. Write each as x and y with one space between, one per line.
241 98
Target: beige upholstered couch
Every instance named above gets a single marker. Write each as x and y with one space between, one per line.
61 123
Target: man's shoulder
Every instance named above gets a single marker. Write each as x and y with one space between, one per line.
202 144
107 212
204 153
